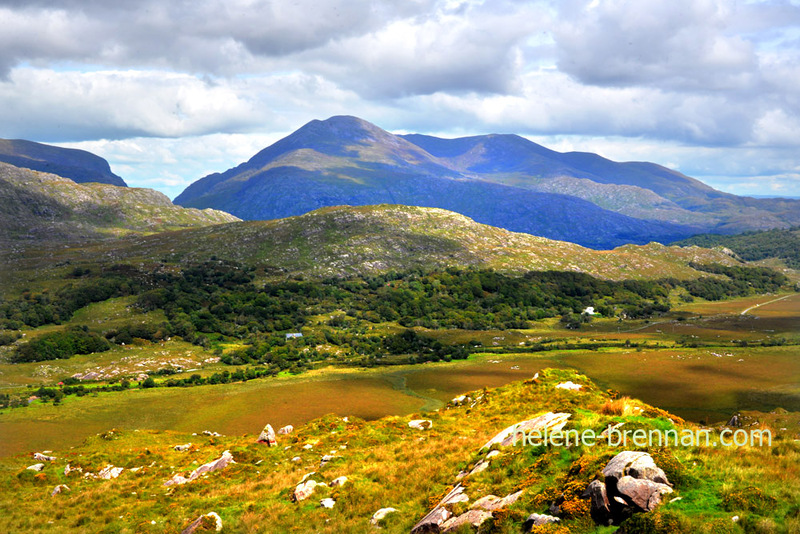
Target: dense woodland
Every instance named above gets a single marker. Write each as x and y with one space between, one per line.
219 300
753 246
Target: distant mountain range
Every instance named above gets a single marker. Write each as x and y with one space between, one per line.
501 180
77 165
45 207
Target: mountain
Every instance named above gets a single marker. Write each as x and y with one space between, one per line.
345 160
367 240
44 207
77 165
639 189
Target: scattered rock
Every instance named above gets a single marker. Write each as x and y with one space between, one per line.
461 399
58 489
43 457
492 454
220 463
36 467
327 503
492 502
378 516
537 520
288 429
600 509
340 481
472 517
569 385
268 436
553 422
734 421
212 434
207 521
304 490
308 446
421 424
479 467
635 464
109 472
297 459
183 448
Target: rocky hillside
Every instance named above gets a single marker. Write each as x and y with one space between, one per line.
371 239
345 160
77 165
41 207
458 469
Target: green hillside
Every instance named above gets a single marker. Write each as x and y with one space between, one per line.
44 207
779 243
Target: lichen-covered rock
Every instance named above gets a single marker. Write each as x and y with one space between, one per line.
493 502
288 429
552 422
421 424
268 436
644 494
471 517
35 467
59 489
38 456
537 520
635 464
109 472
304 490
220 463
378 516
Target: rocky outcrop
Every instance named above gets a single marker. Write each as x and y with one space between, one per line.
421 424
633 483
433 520
491 503
537 520
59 489
268 436
472 517
109 472
207 522
552 422
39 457
220 463
378 516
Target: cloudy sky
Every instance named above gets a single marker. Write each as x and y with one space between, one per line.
169 91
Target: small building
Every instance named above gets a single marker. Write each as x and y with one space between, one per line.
589 310
294 335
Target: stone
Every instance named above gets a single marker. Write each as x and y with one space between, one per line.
43 457
378 516
421 424
472 517
209 520
569 385
268 436
109 472
479 467
644 494
183 448
297 459
552 422
734 421
492 454
59 489
600 508
36 467
215 465
461 399
538 520
433 520
288 429
327 503
634 464
339 481
304 490
491 503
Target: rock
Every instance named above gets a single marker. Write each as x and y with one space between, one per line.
327 503
308 446
288 429
268 436
433 520
340 481
537 520
43 457
600 509
734 421
297 459
644 494
492 454
183 448
327 458
220 463
479 467
378 516
36 467
552 422
634 464
109 472
472 517
421 424
304 490
212 434
569 385
58 489
461 399
492 502
208 521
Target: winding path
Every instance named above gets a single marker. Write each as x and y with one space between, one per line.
765 303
